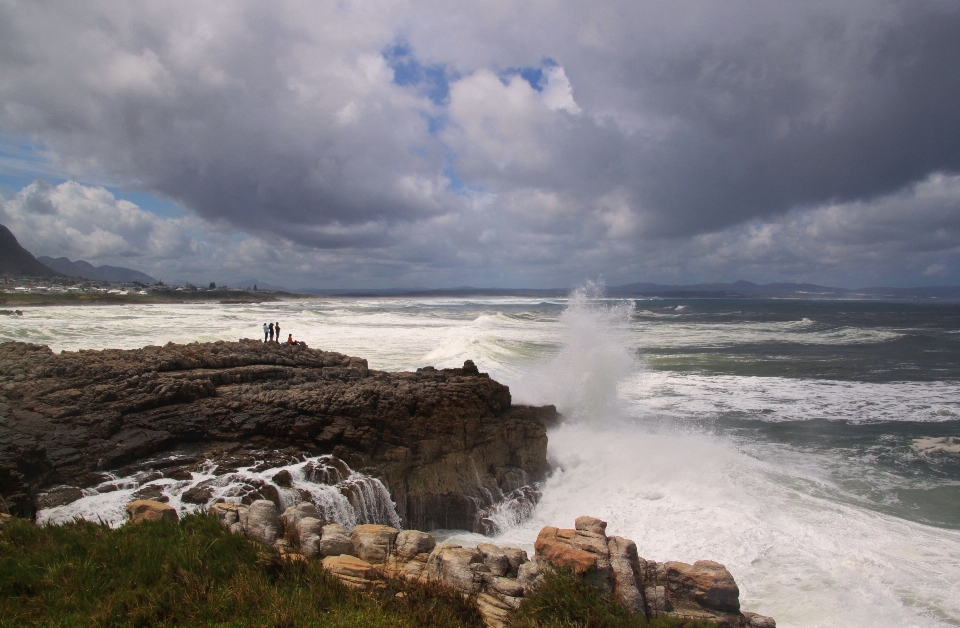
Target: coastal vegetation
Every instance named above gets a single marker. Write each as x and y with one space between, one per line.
196 573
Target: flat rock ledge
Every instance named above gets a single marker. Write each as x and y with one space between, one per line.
447 444
497 577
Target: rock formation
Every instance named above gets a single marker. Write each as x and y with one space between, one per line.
446 443
499 577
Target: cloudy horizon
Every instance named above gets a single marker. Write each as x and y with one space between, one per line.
515 145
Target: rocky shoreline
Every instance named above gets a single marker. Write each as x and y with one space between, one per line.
498 578
447 444
285 444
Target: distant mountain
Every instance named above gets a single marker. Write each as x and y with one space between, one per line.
86 270
17 261
746 289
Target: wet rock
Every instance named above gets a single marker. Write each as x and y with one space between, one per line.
447 443
199 494
759 621
373 542
261 522
152 492
283 478
58 496
141 510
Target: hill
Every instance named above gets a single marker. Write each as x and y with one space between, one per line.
17 261
86 270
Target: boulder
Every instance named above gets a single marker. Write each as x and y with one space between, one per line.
5 520
309 532
294 514
457 567
373 542
529 576
334 541
57 496
412 542
625 565
352 571
495 559
146 510
706 582
759 621
260 522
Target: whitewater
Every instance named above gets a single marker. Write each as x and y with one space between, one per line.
775 438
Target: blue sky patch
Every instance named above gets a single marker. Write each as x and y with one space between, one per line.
430 80
531 74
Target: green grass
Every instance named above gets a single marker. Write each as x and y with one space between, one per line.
564 600
193 573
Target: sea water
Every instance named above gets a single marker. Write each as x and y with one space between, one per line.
777 437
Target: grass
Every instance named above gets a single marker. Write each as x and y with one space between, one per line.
565 600
194 573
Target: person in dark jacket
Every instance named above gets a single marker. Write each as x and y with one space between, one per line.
276 329
271 332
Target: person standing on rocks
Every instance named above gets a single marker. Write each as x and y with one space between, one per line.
265 331
270 328
276 329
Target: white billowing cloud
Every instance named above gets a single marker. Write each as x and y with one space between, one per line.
525 237
662 141
557 92
82 222
503 125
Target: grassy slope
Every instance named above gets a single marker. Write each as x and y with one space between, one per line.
195 573
191 574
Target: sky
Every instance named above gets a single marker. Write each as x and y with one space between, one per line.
399 144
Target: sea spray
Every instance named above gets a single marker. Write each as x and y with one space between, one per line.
582 379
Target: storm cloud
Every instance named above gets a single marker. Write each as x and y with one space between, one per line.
505 144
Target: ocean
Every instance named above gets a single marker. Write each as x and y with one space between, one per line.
782 438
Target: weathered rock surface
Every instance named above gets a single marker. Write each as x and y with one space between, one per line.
704 590
500 577
141 510
446 443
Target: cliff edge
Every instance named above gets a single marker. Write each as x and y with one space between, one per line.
446 443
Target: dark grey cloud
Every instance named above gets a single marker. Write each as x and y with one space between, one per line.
404 143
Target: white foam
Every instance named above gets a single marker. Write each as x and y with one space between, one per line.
802 549
342 495
699 396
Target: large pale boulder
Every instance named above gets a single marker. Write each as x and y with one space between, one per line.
308 533
413 542
495 559
625 565
261 522
373 543
292 515
457 567
334 541
141 510
352 571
